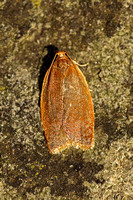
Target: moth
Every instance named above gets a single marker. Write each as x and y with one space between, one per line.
67 113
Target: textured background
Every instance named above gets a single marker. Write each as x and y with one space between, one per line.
91 31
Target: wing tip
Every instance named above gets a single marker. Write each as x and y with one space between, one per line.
61 148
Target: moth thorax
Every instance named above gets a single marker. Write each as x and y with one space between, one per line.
62 65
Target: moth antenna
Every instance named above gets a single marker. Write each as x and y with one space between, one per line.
81 65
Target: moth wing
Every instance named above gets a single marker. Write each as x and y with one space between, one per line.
52 109
78 116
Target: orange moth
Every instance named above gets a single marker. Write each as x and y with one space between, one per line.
66 106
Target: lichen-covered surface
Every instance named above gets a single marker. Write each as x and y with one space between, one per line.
94 32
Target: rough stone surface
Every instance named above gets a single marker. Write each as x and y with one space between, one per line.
94 32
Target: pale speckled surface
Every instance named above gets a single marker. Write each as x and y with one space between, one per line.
90 31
